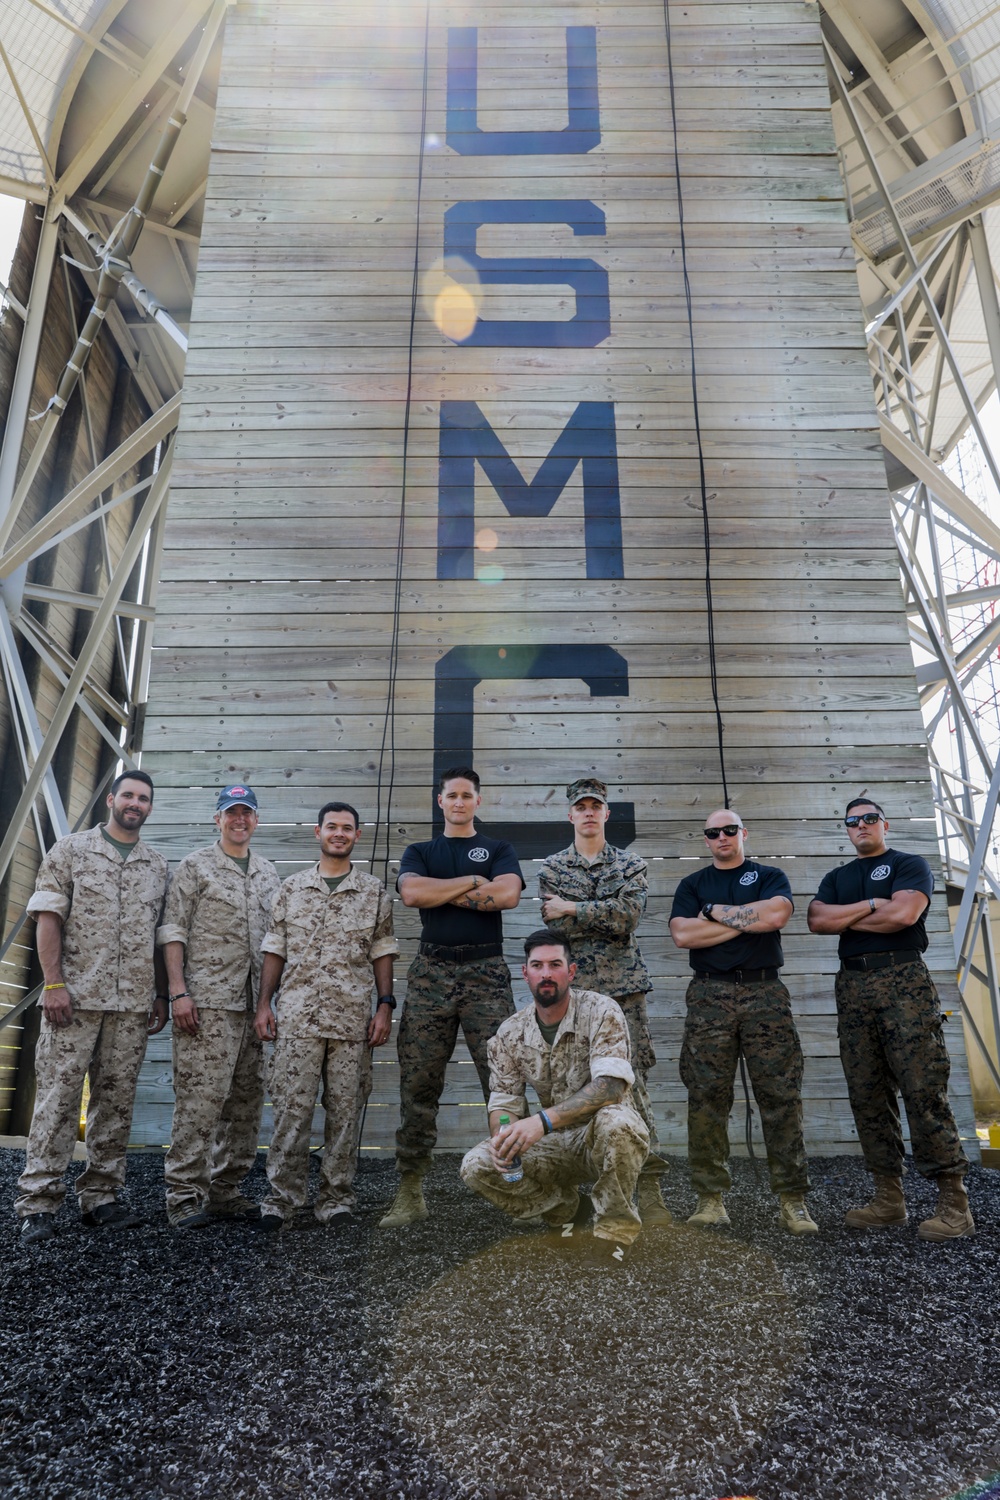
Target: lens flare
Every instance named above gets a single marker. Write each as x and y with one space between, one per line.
452 296
486 539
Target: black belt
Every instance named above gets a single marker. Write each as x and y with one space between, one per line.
739 976
884 960
472 953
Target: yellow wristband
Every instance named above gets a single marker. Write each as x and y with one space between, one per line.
59 986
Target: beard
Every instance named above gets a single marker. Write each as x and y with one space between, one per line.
548 994
129 817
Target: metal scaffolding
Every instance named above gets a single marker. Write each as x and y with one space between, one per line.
85 226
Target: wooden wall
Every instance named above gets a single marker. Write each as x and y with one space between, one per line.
558 627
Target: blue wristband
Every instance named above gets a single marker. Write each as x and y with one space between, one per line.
546 1122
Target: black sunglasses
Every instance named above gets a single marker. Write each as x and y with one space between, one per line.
856 818
729 829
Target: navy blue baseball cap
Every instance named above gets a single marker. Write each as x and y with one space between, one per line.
235 796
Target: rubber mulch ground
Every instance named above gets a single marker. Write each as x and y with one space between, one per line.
463 1358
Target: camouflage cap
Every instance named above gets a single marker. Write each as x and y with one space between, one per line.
587 786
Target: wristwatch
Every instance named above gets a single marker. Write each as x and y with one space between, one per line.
389 1000
706 911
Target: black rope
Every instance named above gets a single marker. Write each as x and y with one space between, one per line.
713 668
389 722
712 660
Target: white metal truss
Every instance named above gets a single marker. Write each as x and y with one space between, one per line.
917 204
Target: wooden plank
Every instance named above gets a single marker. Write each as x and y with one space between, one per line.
663 767
316 695
178 626
203 516
420 564
182 671
690 728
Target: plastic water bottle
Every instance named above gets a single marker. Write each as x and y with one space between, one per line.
513 1171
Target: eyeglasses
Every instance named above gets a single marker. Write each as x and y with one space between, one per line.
729 829
869 818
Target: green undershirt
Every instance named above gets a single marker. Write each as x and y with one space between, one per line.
547 1029
332 881
243 860
123 849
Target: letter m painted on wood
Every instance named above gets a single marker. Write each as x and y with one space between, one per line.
589 438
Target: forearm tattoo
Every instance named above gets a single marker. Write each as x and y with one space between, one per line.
477 903
588 1100
737 917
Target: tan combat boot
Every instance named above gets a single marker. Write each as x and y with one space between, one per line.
794 1216
886 1208
653 1212
408 1205
710 1213
952 1219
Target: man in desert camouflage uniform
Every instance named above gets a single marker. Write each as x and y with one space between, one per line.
461 882
330 936
889 1025
97 902
217 914
729 914
595 895
572 1047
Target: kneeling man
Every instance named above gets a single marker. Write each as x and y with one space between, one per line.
572 1046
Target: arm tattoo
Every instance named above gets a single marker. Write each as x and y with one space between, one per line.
588 1100
477 903
737 917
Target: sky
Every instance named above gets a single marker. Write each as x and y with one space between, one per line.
11 212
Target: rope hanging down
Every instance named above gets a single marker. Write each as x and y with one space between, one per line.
713 667
712 662
389 720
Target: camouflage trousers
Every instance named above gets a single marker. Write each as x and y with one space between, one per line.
891 1038
298 1066
608 1152
440 997
723 1018
633 1008
110 1046
219 1095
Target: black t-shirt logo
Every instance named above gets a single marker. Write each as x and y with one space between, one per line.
479 855
881 872
748 878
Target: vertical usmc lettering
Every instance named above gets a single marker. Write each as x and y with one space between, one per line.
467 438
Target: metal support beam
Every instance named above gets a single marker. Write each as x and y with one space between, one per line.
925 294
27 359
68 702
21 702
986 283
124 457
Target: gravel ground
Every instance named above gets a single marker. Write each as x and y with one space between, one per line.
462 1360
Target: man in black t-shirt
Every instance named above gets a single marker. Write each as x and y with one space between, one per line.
461 882
730 915
889 1025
